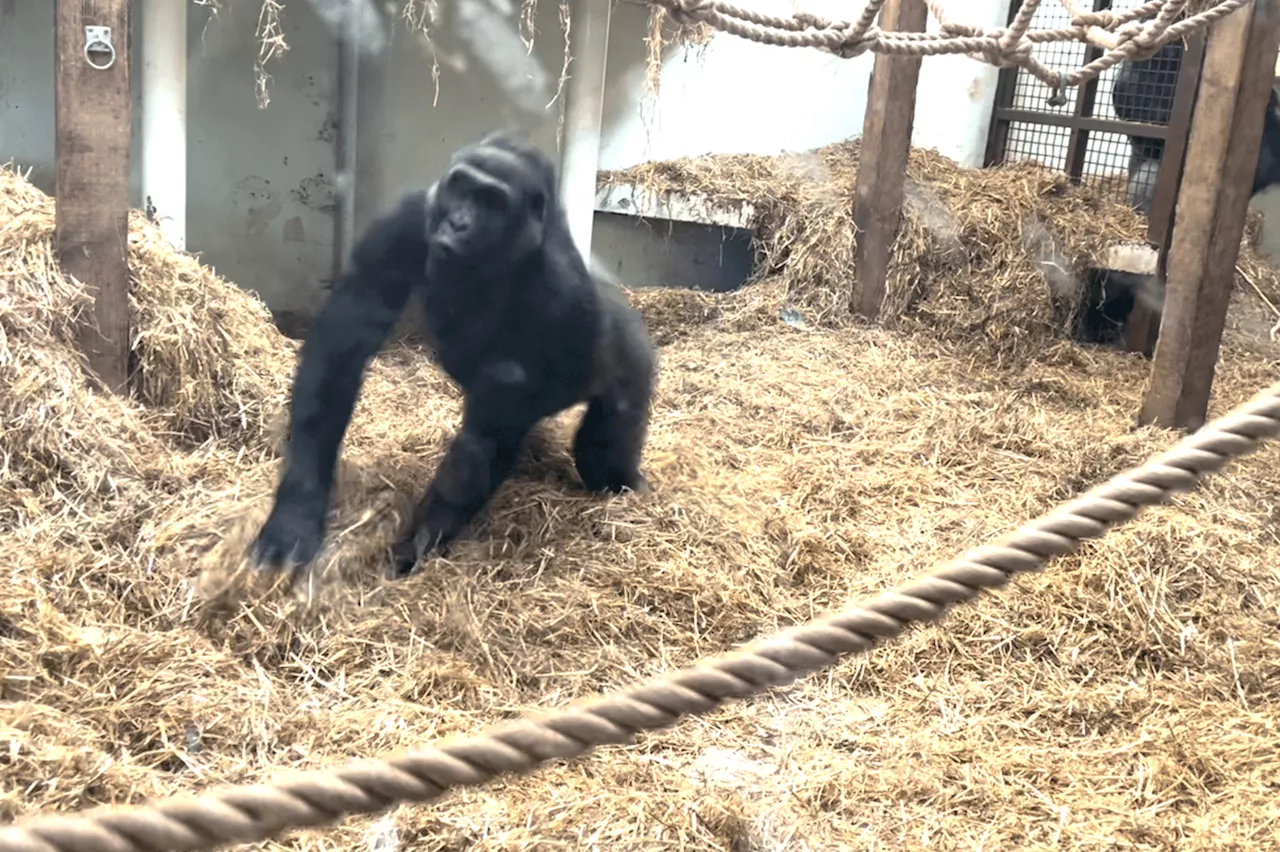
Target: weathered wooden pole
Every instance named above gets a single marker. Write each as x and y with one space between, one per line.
1143 325
882 164
91 105
1217 183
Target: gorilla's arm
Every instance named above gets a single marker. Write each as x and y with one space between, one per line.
355 321
494 424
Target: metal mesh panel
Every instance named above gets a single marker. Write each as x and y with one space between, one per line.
1030 93
1096 153
1042 143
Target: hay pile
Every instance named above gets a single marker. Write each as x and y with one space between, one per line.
213 373
995 255
1127 696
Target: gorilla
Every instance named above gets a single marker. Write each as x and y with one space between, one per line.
516 321
1143 91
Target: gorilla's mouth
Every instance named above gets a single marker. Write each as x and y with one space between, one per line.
445 247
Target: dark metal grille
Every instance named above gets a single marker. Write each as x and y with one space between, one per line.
1085 138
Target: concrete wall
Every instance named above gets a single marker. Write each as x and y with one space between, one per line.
26 92
1268 203
732 95
404 140
260 181
26 87
260 203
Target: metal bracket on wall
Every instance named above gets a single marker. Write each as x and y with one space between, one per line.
98 40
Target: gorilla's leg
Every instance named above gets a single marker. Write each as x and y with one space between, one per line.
609 442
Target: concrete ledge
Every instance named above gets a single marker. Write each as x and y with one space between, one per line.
1136 258
669 239
631 200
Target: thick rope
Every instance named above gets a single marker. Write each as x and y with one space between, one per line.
247 814
1133 34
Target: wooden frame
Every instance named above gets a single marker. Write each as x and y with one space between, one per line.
1202 193
1143 325
886 148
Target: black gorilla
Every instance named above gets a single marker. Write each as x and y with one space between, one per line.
1143 91
516 321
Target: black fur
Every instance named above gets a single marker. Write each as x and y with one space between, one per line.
1143 91
516 320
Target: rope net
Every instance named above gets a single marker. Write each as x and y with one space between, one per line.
1129 35
249 813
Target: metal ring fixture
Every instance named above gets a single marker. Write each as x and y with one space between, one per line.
100 45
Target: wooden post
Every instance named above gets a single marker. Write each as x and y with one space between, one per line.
1217 182
1143 326
1164 199
92 182
882 165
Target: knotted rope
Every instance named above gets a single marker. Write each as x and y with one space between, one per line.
1130 35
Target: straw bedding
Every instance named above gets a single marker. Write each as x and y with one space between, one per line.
992 257
1127 698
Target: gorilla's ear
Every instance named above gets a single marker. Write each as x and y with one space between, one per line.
538 205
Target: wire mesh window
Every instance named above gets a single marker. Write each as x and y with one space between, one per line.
1063 137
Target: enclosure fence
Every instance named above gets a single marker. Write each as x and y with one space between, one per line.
252 813
1123 35
1079 138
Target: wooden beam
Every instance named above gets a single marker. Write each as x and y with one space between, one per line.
1066 119
1164 199
1143 325
92 182
1217 183
882 166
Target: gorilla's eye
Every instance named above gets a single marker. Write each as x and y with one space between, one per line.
490 198
537 204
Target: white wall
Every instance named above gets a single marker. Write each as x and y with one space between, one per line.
260 181
736 96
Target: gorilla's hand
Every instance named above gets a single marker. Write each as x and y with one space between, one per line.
293 532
